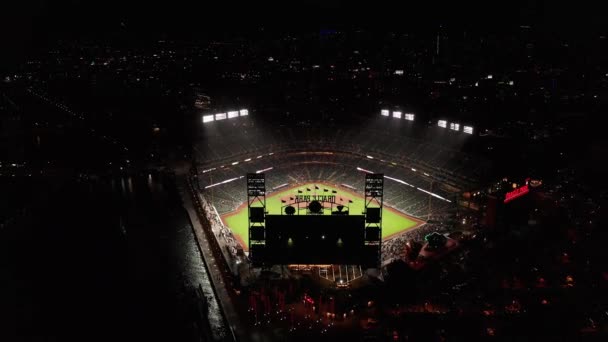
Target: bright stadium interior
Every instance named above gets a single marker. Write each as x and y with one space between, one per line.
425 172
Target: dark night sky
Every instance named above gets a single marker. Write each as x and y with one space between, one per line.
32 23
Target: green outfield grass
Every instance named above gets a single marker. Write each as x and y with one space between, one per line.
393 222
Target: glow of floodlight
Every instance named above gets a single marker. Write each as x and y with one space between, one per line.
236 162
370 157
442 123
264 170
467 129
220 116
434 195
244 112
233 114
209 170
384 112
413 169
207 118
397 114
396 180
248 159
258 157
409 116
280 186
364 170
223 182
454 126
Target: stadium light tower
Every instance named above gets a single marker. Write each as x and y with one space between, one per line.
373 201
256 204
384 112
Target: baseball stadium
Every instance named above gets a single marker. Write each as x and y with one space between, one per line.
423 179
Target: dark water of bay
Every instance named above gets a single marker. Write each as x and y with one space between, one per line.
109 259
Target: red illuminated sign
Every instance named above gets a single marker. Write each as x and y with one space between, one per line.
511 195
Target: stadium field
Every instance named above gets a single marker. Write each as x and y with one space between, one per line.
393 221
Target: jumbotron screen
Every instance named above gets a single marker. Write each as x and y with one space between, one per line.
315 239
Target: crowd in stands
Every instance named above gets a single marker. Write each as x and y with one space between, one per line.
226 240
445 160
393 249
301 154
299 168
